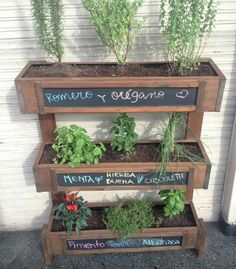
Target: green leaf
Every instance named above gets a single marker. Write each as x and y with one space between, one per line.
47 15
97 151
69 138
113 20
124 135
73 146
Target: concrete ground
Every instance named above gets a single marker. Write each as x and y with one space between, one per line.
22 250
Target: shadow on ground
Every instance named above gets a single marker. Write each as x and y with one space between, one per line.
23 250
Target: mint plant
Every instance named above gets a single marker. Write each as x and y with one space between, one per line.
74 146
73 213
185 27
47 15
124 135
115 24
174 202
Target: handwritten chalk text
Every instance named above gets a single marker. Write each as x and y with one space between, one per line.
123 243
125 178
134 96
82 95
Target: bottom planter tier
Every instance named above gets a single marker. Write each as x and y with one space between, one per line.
101 240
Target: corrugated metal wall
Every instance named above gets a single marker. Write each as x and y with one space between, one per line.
21 207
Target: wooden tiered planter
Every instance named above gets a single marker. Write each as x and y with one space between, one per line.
106 241
49 95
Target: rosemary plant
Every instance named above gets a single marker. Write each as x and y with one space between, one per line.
47 15
115 24
185 27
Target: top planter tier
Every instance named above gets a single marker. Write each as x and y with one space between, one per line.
102 87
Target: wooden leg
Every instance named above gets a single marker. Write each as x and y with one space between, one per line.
194 123
47 126
188 196
57 197
201 239
189 190
46 248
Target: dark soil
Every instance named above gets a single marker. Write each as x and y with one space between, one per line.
96 221
184 219
143 153
109 70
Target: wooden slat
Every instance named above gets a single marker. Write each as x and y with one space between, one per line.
194 125
47 126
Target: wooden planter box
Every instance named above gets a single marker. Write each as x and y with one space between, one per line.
120 94
105 241
121 175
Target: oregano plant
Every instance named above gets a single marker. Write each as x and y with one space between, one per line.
123 130
127 220
185 26
115 23
47 15
74 146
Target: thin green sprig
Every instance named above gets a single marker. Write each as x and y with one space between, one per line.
169 147
47 15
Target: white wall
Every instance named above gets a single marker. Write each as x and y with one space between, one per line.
228 207
21 207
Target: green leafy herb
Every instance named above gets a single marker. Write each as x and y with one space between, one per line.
73 146
47 15
115 24
126 220
174 202
73 213
185 27
124 134
169 147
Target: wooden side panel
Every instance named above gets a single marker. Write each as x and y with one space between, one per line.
221 86
47 126
26 96
202 233
194 125
43 179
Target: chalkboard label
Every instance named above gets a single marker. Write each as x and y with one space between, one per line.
118 97
92 244
122 179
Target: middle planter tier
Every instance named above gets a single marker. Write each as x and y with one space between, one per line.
119 172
